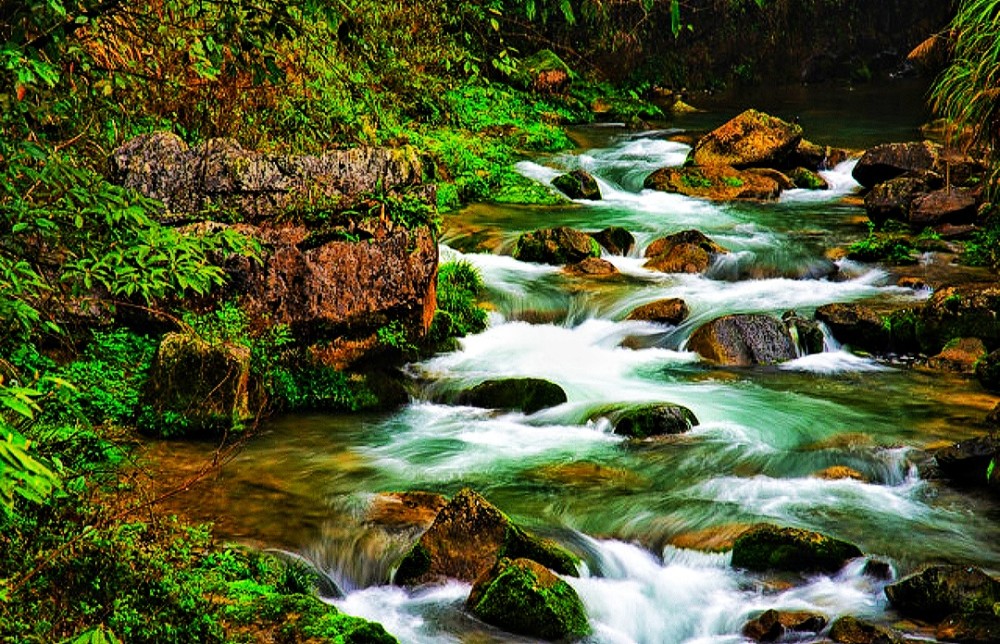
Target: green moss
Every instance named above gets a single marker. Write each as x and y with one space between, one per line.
768 547
695 179
733 182
520 544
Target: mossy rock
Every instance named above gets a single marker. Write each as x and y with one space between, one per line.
769 547
197 388
939 591
965 311
524 597
671 311
556 246
751 139
578 184
851 630
466 539
616 240
716 182
807 179
300 618
525 394
647 421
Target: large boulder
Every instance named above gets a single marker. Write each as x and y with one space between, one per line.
851 630
524 597
616 240
987 370
960 355
556 246
220 174
892 199
715 182
750 139
688 251
890 160
806 334
523 394
964 311
197 388
769 547
467 538
669 311
956 206
743 340
649 420
858 326
334 288
578 184
974 628
939 591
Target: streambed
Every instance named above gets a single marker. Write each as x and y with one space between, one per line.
636 513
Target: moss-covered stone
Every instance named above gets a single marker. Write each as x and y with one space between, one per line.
750 139
466 539
197 388
615 239
717 182
655 419
965 311
525 394
805 178
988 371
940 591
522 596
578 184
556 246
851 630
769 547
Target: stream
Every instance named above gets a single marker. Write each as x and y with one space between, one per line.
641 515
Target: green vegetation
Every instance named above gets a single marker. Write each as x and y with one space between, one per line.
891 248
459 288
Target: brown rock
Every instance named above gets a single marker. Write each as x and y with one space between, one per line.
400 510
466 539
689 251
764 628
784 181
956 206
892 200
750 139
856 325
802 621
975 628
561 245
850 630
959 356
669 311
592 267
714 539
743 340
964 311
718 183
838 472
616 240
890 160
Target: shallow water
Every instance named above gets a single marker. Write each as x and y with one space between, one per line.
307 481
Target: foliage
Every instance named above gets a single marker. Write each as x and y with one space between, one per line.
968 91
983 247
459 288
882 247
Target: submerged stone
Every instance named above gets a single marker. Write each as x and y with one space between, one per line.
522 596
769 547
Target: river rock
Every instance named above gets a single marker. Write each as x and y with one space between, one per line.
939 591
222 175
783 180
671 311
851 630
975 628
715 182
964 311
839 473
769 547
750 139
856 325
206 384
578 184
466 539
892 200
689 251
890 160
956 206
807 179
556 246
592 267
524 597
646 421
967 461
743 340
772 624
523 394
959 355
616 240
987 371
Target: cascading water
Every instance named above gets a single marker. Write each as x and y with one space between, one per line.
762 436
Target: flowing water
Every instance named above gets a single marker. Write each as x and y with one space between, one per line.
633 510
